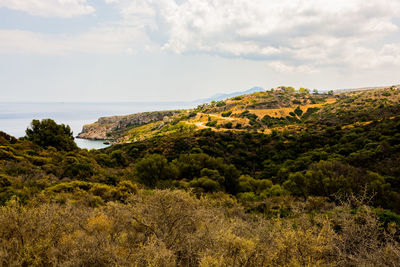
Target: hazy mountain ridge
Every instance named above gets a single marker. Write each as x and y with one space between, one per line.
222 96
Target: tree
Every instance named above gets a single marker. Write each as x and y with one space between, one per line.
298 111
7 139
304 90
154 168
47 133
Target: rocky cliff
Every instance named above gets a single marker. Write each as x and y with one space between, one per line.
108 128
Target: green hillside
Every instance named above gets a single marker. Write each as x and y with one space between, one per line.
276 109
277 178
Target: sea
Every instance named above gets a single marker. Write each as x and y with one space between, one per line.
15 117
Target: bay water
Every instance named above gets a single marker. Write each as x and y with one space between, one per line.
15 117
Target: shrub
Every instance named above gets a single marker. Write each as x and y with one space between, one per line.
211 123
228 125
298 111
226 114
150 169
47 133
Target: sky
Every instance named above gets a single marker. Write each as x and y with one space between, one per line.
183 50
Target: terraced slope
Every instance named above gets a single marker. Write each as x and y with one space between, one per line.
276 109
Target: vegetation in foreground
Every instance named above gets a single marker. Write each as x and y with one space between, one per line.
169 228
320 191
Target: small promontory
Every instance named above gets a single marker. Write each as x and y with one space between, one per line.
107 128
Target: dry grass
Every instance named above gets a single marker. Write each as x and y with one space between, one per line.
283 112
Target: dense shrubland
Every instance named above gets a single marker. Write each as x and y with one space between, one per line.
169 228
326 193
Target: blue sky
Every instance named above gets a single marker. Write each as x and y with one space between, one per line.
179 50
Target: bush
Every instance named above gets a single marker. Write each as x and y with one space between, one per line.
221 103
6 139
226 114
206 184
47 133
211 123
330 178
298 111
153 168
228 125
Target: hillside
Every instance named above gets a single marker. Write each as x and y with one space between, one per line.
277 109
305 180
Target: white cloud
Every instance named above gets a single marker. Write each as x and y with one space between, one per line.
294 33
50 8
282 67
290 35
101 40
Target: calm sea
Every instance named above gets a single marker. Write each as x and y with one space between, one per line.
16 117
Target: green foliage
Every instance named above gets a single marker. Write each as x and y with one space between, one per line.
211 123
192 114
272 121
388 217
226 114
118 157
298 111
205 184
154 168
309 111
88 190
304 90
6 139
249 184
327 178
47 133
287 89
253 119
220 103
77 168
228 125
303 163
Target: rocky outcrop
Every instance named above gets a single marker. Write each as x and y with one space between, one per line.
96 131
107 128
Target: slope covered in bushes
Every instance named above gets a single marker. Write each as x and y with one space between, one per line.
325 192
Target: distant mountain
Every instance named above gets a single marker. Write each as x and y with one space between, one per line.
218 97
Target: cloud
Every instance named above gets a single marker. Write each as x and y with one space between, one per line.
289 35
282 67
296 33
50 8
108 39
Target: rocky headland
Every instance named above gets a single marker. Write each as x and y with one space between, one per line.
108 128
